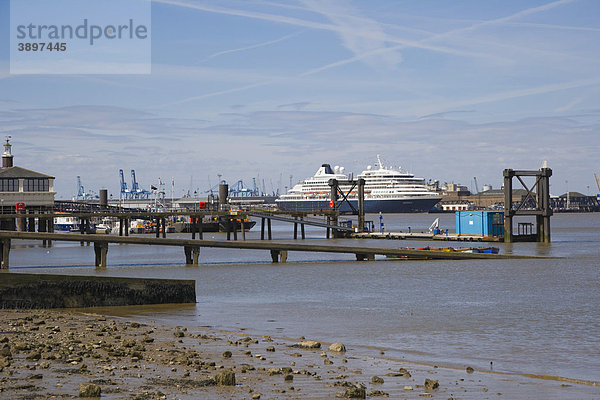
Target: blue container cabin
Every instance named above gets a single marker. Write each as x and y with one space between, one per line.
480 223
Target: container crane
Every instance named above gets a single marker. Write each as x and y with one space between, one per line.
81 194
136 191
125 192
80 189
476 185
597 182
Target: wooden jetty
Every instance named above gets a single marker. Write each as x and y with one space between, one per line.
278 250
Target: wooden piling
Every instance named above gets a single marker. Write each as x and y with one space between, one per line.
269 229
295 229
101 250
5 261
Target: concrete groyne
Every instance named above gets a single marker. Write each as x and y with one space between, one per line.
28 291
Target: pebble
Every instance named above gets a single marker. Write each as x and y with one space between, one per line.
337 347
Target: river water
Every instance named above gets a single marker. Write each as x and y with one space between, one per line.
538 316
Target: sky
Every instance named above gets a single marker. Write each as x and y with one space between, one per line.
243 89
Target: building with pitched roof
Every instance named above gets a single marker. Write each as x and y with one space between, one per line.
22 189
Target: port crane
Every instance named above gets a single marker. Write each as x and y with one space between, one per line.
240 190
136 192
476 185
597 182
81 194
125 192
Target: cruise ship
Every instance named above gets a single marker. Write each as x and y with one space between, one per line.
386 191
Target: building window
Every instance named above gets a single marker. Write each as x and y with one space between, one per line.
9 185
36 185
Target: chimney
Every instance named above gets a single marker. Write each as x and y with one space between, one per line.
7 157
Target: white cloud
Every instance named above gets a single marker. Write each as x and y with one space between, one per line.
363 36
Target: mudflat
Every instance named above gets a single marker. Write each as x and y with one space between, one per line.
71 354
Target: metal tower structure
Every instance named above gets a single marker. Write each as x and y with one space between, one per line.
540 198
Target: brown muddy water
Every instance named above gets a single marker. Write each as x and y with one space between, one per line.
539 317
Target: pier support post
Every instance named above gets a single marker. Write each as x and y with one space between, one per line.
302 230
43 227
4 261
101 251
334 198
544 203
192 253
50 229
121 226
508 232
361 205
234 228
126 226
243 229
30 224
269 229
278 256
295 229
193 226
200 228
365 257
262 228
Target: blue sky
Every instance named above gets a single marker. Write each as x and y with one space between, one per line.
449 90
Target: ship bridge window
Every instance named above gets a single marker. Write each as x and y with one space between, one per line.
36 185
9 185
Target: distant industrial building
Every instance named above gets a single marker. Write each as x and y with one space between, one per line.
575 201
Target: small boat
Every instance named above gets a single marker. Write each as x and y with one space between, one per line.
480 250
484 250
66 224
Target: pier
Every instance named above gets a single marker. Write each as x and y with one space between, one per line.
278 250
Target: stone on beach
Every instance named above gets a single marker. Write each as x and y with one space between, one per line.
225 378
431 384
377 380
378 393
89 390
357 391
308 344
470 370
337 347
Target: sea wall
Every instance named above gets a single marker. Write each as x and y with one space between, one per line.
28 291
